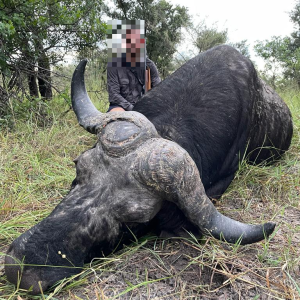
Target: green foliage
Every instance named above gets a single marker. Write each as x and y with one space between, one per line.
200 37
280 55
283 53
242 46
205 37
276 49
163 23
37 34
29 27
295 18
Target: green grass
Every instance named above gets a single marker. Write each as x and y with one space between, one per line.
36 171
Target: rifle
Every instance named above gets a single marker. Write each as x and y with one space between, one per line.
147 74
148 80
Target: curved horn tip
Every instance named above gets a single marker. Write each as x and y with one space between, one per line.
231 231
268 228
265 231
84 60
82 63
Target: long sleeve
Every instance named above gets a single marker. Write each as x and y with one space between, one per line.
114 89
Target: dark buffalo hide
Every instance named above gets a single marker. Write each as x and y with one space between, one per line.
217 109
158 172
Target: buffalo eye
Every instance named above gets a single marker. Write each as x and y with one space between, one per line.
74 183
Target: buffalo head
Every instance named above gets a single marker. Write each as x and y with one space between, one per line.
121 185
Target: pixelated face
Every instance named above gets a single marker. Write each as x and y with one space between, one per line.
126 43
133 40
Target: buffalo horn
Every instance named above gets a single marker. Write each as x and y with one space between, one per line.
87 114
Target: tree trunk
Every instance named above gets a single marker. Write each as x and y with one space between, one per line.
44 76
4 98
32 83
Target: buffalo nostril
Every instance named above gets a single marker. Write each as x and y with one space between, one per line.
13 268
25 279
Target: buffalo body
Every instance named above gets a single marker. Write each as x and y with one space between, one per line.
158 171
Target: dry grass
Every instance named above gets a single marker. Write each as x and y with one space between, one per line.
36 171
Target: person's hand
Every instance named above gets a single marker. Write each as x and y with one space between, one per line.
117 109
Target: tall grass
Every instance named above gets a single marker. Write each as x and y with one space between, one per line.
36 166
36 171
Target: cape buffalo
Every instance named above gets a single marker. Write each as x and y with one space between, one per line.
155 168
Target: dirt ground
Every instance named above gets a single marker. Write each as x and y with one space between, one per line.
185 269
179 269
